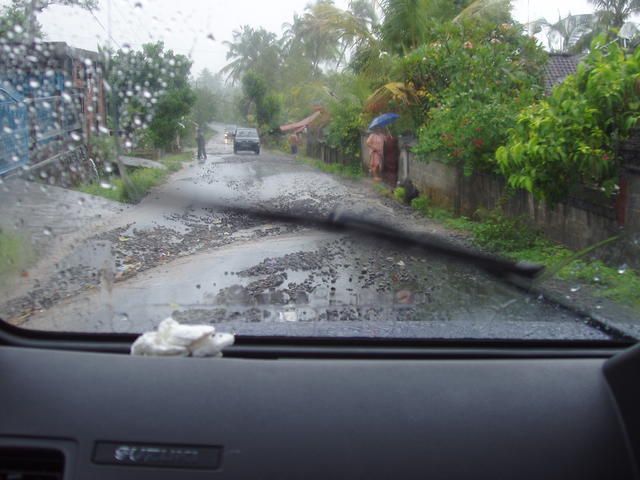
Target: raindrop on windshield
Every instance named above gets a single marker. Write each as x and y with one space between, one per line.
574 289
33 83
105 184
211 37
622 269
47 231
75 137
18 29
138 4
66 97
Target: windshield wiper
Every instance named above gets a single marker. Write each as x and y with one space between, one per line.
343 221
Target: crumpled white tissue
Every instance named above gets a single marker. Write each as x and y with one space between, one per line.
173 338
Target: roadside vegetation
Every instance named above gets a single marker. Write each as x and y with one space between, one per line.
514 238
15 254
142 180
348 171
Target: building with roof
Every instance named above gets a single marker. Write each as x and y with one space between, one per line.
559 67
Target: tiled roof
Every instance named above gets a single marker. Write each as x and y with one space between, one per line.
558 68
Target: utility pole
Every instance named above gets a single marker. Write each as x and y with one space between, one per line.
30 9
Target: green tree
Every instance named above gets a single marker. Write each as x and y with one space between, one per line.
13 19
146 83
409 23
470 87
166 121
252 51
259 100
568 139
614 13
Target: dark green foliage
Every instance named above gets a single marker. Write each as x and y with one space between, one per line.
258 99
568 138
145 84
471 86
501 233
343 132
171 108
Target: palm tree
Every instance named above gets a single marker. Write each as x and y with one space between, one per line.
252 51
614 13
351 28
569 34
319 43
405 24
408 23
574 33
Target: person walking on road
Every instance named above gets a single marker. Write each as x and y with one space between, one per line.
375 142
202 152
293 143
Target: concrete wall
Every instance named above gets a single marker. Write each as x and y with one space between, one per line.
584 219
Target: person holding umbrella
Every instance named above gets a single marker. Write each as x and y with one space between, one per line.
375 142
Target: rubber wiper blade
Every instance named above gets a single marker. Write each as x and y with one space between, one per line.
338 220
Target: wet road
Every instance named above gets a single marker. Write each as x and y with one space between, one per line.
174 254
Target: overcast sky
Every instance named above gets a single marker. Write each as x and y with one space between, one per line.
198 27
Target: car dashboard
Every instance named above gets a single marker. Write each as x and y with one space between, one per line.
279 409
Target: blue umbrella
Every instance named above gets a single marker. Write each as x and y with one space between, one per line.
384 119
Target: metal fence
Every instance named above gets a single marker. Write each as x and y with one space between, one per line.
14 130
320 150
32 129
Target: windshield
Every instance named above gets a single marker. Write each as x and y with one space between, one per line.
246 133
395 147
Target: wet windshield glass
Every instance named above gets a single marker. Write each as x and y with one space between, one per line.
304 167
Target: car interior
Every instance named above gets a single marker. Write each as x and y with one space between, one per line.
79 406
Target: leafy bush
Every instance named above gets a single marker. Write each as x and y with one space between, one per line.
343 131
568 139
104 152
400 194
169 111
471 86
500 233
422 204
142 180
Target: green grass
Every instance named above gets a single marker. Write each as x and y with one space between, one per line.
383 190
400 194
348 171
15 254
142 179
175 162
514 238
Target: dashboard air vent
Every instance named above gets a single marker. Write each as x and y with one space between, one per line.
31 464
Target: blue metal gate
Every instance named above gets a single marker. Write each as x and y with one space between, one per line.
14 130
